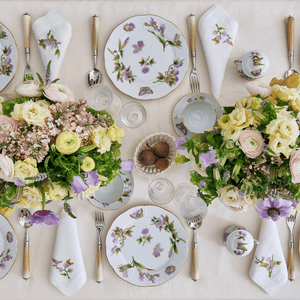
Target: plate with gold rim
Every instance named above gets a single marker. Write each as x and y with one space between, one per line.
177 115
9 56
146 57
8 246
146 245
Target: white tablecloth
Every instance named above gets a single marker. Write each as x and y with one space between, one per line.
222 276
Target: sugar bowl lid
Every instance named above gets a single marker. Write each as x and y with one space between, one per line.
255 64
240 243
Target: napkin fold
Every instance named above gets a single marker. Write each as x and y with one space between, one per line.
53 34
268 269
67 271
217 32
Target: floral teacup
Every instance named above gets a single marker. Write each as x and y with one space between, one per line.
255 64
238 241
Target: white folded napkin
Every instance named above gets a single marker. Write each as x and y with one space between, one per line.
67 271
268 269
53 34
217 32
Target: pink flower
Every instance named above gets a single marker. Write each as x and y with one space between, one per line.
251 142
295 166
29 88
6 168
59 93
7 124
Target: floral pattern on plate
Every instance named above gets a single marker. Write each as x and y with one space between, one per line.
8 56
130 52
147 262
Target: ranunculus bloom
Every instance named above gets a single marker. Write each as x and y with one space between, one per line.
284 93
29 88
229 196
58 193
8 124
44 217
259 88
26 168
127 166
78 185
295 166
59 93
251 142
6 168
35 113
115 133
68 142
100 139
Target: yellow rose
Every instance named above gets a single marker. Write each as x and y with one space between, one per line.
241 118
295 103
244 102
88 165
115 133
31 197
34 113
284 93
280 146
68 142
100 139
25 168
58 193
7 211
224 121
231 133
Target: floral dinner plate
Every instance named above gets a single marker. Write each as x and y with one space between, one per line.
8 56
114 195
177 120
8 246
146 245
146 57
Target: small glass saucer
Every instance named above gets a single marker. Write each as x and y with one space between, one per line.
161 190
183 190
99 97
115 107
133 114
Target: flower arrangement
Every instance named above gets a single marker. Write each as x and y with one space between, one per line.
251 157
53 148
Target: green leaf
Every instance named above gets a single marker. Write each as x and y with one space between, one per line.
229 109
180 159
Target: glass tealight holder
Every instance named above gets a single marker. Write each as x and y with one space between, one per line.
99 97
161 190
183 190
133 114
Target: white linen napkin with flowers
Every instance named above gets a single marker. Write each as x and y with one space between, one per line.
217 32
67 271
53 34
268 269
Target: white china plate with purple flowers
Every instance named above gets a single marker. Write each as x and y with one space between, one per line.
146 245
9 56
115 194
178 110
8 246
146 57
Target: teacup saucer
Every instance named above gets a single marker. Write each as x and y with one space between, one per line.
177 120
114 195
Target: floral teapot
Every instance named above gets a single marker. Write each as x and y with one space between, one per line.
238 241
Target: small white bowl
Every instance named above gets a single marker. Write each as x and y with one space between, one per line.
198 116
151 140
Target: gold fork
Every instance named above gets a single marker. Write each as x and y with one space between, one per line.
290 222
194 77
99 221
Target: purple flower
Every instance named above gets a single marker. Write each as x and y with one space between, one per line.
70 270
239 252
2 265
256 72
8 52
263 103
176 72
176 37
145 231
145 70
179 64
48 42
8 257
170 252
128 74
91 178
129 27
137 47
145 90
9 237
19 182
226 175
209 158
179 142
218 37
152 22
44 217
162 27
113 249
78 185
56 262
157 250
127 166
126 41
66 265
60 270
227 41
224 33
202 184
141 276
274 208
176 79
170 269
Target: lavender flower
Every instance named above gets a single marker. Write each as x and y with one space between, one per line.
202 184
170 269
157 250
129 27
78 185
145 70
19 182
152 22
162 28
138 47
226 175
91 178
127 166
274 208
209 158
145 90
145 231
44 217
179 142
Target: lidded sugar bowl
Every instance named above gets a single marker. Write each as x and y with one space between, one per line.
255 64
238 241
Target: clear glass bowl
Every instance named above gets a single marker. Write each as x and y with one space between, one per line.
99 97
183 190
133 114
161 190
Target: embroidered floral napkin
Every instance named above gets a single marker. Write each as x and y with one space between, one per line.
217 32
268 269
67 271
53 34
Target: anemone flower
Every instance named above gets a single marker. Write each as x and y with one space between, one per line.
44 217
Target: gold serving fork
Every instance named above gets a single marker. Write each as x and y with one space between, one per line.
99 221
290 221
194 77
